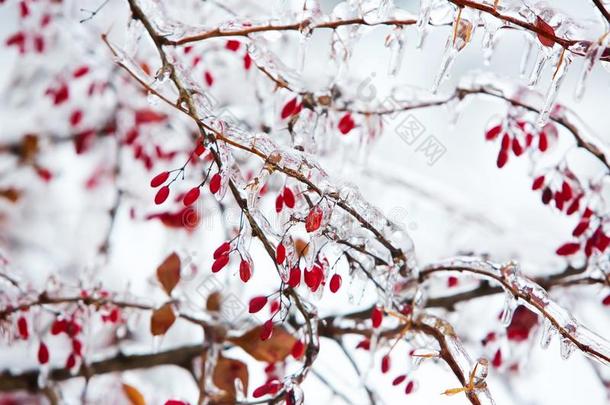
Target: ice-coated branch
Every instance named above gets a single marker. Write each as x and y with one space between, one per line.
522 289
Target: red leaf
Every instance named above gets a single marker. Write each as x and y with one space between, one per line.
162 195
568 249
346 124
159 179
313 220
547 29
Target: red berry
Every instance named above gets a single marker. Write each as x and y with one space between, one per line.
199 149
452 281
289 108
58 326
376 316
364 344
497 360
220 263
298 349
313 220
538 183
288 197
77 347
409 388
398 380
267 330
81 71
222 250
279 203
346 124
335 283
493 132
43 353
257 303
22 327
191 196
209 80
245 272
162 195
385 364
606 301
215 183
76 117
295 277
517 148
280 254
568 249
502 158
543 142
581 228
232 45
71 362
159 179
247 61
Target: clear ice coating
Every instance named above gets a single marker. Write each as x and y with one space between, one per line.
537 300
563 61
594 52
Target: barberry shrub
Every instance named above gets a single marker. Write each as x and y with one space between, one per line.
292 201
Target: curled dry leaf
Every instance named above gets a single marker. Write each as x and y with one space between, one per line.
162 319
225 373
10 194
271 350
213 302
168 272
134 396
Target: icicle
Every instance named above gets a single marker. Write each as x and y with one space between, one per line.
594 52
377 11
548 330
460 37
396 42
566 348
525 58
551 95
489 42
509 309
423 21
480 371
302 52
542 59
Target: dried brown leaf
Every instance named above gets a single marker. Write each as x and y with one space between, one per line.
162 319
272 350
135 397
226 372
168 272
